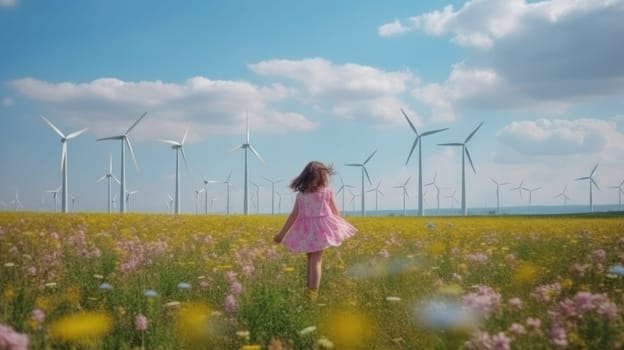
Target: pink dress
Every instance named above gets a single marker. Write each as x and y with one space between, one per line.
316 227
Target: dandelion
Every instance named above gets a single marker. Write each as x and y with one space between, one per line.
325 343
289 269
172 304
243 334
12 340
251 347
393 299
81 327
140 323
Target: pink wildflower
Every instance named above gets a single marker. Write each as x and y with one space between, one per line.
12 340
546 292
500 341
477 258
231 276
37 315
533 324
515 303
484 301
248 270
558 336
599 255
480 340
140 322
236 288
577 270
517 329
230 304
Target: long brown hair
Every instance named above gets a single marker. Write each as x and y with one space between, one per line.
314 176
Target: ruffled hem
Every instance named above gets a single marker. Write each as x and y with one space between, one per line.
318 233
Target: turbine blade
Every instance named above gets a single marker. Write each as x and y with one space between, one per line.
170 142
473 132
100 179
494 181
116 179
412 150
595 183
76 133
184 158
433 132
470 159
135 124
235 148
451 144
340 189
582 178
52 126
409 121
119 137
369 157
256 153
184 137
406 193
366 172
132 151
110 163
593 170
353 164
406 181
229 176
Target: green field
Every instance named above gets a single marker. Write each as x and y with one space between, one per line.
217 282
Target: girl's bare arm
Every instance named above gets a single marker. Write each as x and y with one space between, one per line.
291 219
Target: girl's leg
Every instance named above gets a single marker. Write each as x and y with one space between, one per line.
315 260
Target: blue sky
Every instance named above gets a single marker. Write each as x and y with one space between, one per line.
320 80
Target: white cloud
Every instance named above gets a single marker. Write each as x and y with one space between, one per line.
8 3
392 29
214 106
558 137
348 90
543 56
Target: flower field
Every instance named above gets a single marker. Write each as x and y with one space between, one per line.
93 281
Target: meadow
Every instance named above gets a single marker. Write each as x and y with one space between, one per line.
94 281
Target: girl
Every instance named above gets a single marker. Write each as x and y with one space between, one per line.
315 223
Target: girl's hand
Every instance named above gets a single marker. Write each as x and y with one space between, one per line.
278 238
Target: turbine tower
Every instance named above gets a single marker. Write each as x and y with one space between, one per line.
377 193
197 192
227 185
564 195
245 146
421 209
620 190
464 154
592 183
342 189
179 148
498 185
258 187
433 183
64 139
404 188
206 182
273 193
109 175
364 172
125 141
55 196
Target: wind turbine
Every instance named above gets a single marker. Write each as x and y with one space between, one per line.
620 190
433 183
109 175
453 199
464 154
170 203
64 139
279 202
404 188
258 187
55 196
273 193
227 185
125 141
18 204
342 189
377 193
114 201
498 185
531 190
353 197
206 182
421 209
564 195
179 148
128 194
520 188
593 182
364 172
197 192
245 146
